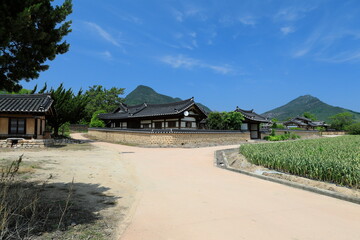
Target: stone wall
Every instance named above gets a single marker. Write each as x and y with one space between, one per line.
26 143
149 138
334 133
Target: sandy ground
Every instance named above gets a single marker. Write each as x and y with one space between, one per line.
181 195
178 194
104 182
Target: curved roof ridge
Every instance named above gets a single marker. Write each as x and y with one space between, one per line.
168 104
25 95
243 110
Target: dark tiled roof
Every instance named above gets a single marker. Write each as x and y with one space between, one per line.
293 121
302 121
251 115
149 110
25 103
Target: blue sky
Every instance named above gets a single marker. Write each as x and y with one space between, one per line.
251 53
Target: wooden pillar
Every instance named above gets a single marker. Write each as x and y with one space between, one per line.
36 127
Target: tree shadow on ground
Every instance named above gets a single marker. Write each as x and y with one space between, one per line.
52 210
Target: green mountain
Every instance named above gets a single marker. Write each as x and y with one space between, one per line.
146 94
310 104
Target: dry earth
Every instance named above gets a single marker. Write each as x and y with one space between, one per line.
103 190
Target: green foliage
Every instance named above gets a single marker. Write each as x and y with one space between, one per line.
95 121
282 137
224 120
101 98
328 159
309 116
215 121
320 129
31 32
68 107
278 126
64 129
354 129
341 121
232 120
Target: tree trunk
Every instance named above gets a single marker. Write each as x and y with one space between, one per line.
56 131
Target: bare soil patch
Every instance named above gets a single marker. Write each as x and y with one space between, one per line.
237 161
101 185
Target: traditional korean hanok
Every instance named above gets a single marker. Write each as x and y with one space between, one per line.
184 114
24 115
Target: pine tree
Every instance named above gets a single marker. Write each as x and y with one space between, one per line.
31 33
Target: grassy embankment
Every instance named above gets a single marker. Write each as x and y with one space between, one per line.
335 160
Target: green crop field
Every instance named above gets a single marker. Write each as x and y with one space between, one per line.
335 160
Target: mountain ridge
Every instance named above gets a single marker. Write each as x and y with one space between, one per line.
307 103
142 94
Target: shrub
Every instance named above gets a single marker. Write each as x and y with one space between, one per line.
224 120
278 126
64 129
282 137
95 121
354 129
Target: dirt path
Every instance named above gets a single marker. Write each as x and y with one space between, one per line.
181 195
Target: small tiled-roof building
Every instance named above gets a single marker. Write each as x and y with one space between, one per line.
305 123
252 122
24 115
184 114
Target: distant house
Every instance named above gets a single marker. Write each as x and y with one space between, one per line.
305 123
184 114
24 116
252 122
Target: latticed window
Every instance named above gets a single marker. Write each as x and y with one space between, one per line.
172 124
17 126
158 125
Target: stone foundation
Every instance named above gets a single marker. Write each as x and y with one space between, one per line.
169 138
26 143
334 133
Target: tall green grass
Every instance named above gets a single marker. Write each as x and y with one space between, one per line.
335 160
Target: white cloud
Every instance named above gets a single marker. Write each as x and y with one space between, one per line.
248 20
293 13
287 30
131 19
245 20
193 34
349 56
102 33
179 16
107 55
311 42
187 12
181 61
186 40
